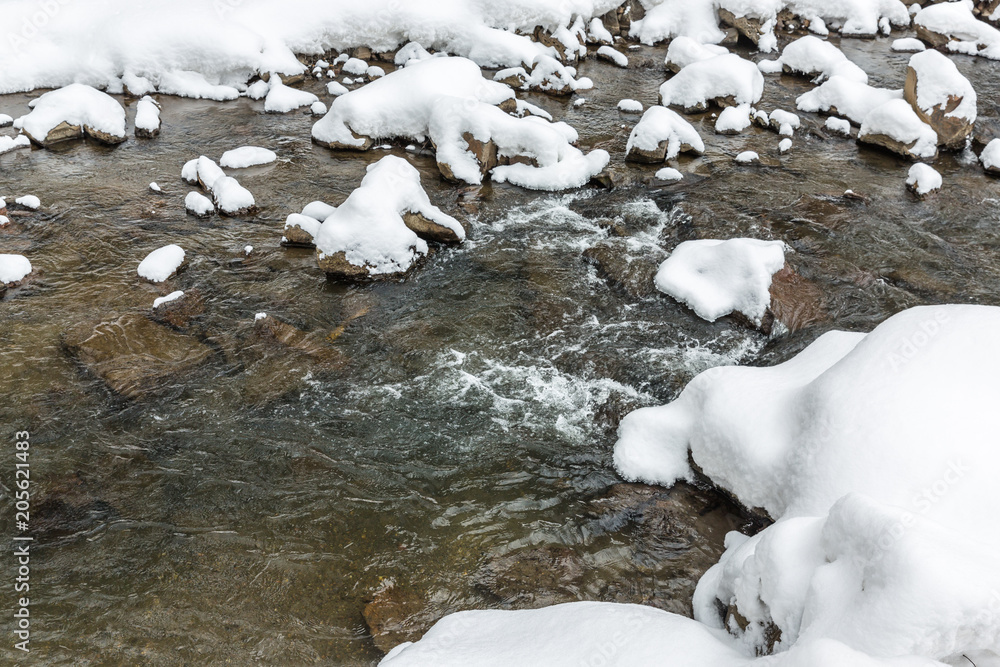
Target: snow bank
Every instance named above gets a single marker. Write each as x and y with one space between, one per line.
70 112
661 134
448 101
161 264
896 125
13 269
147 117
841 96
814 57
376 231
724 80
877 456
923 179
247 156
716 278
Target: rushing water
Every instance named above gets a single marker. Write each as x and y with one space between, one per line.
250 509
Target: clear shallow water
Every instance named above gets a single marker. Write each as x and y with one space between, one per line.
250 509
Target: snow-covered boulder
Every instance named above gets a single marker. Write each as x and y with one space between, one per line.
630 106
380 230
13 269
876 455
683 51
896 127
783 122
448 101
668 174
247 156
661 134
953 26
990 157
840 96
72 112
147 118
30 202
840 126
162 264
613 56
716 278
300 231
8 144
282 99
733 120
941 96
725 80
747 157
230 197
923 179
198 205
814 57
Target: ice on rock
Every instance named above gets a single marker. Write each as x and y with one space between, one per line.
282 99
612 56
747 157
841 96
199 205
380 230
13 269
630 106
908 45
448 101
8 144
247 156
716 278
990 157
896 127
147 117
161 264
817 58
923 179
71 112
724 80
733 120
661 134
876 455
683 51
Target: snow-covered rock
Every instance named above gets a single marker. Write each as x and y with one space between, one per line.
380 230
838 125
941 96
71 112
247 156
683 51
840 96
716 278
661 134
725 80
147 117
318 109
668 174
5 120
173 296
162 264
784 122
282 99
198 205
990 157
747 157
896 127
630 106
13 269
8 144
733 120
30 202
907 45
336 88
953 26
784 145
300 231
923 179
814 57
612 56
230 197
671 19
155 187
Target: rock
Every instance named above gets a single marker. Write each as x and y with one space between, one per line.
891 144
985 131
429 230
769 631
795 301
935 39
610 21
314 345
643 156
534 577
751 27
485 153
367 143
337 267
634 276
181 311
361 53
952 130
395 616
133 355
984 9
732 37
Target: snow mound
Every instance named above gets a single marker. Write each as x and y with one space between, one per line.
841 96
199 205
814 57
990 157
896 123
668 174
377 230
8 144
923 179
724 80
71 112
661 134
747 157
716 278
29 201
147 117
282 99
13 269
162 263
247 156
907 45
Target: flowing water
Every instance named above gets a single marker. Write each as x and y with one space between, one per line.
249 509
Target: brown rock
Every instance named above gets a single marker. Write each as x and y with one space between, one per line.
643 156
610 21
295 237
428 229
632 275
314 345
61 132
395 616
367 142
795 301
935 39
133 355
336 266
181 311
891 144
485 153
535 577
952 131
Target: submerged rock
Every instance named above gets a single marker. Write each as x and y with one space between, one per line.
535 577
633 275
395 615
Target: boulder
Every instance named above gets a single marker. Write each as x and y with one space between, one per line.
395 615
632 275
485 153
953 129
533 577
180 312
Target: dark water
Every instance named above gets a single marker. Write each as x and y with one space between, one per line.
248 510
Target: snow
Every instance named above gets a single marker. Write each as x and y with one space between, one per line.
282 99
907 45
173 296
598 33
669 174
846 97
814 57
13 268
670 19
259 316
29 201
445 99
722 76
630 106
155 187
194 85
306 223
189 172
318 210
747 157
199 204
258 89
715 278
615 56
851 17
147 114
247 156
683 51
229 196
990 157
838 125
5 120
660 124
77 105
336 88
8 144
162 263
785 145
968 34
897 120
318 109
876 455
374 72
923 178
369 228
733 120
938 80
355 66
784 122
